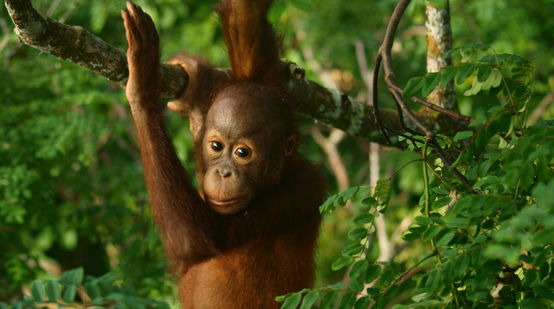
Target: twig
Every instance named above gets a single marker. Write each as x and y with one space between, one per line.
375 99
400 278
400 229
396 91
442 110
5 34
543 105
363 67
329 145
454 170
53 6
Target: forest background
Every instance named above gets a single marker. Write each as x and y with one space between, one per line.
71 188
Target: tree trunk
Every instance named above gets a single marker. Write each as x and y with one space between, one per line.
439 42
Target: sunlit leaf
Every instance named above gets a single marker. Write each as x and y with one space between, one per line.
309 300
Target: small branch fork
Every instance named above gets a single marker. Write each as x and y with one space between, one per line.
384 58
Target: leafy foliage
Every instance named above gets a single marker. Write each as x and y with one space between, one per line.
72 288
487 247
71 188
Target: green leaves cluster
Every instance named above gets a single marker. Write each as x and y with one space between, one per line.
73 288
491 244
478 69
362 268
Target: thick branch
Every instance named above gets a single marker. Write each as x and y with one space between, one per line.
81 47
338 110
77 45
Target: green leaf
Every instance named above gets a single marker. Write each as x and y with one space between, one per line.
461 135
74 276
460 265
477 121
440 190
483 73
409 236
463 73
309 300
530 303
447 75
433 280
348 300
423 220
413 233
382 191
53 290
336 286
430 233
329 299
276 11
363 219
38 292
530 277
347 194
544 194
372 273
304 5
341 262
387 277
437 218
357 234
413 87
544 237
420 297
369 201
329 205
93 290
431 82
358 268
457 222
353 249
444 240
282 298
362 303
475 88
69 293
292 301
441 202
356 285
495 79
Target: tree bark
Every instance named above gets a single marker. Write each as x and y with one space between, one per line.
77 45
439 42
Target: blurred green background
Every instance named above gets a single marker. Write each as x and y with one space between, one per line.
71 186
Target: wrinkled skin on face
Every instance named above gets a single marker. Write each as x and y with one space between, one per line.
246 140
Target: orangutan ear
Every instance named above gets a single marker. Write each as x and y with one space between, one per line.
290 145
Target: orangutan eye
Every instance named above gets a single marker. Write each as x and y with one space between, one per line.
216 146
242 152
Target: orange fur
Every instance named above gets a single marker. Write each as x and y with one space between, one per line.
228 261
252 46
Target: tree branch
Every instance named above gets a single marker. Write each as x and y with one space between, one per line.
77 45
396 91
541 108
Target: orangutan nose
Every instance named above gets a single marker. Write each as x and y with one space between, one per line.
224 172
